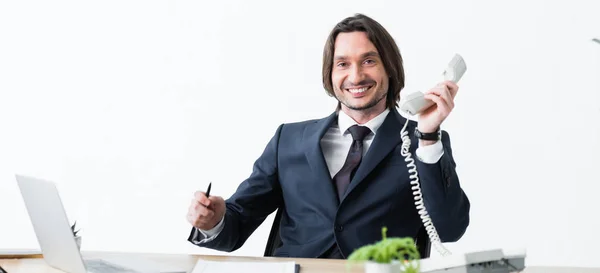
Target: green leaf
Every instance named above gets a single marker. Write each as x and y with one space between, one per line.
387 250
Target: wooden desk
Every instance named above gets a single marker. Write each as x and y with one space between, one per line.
35 263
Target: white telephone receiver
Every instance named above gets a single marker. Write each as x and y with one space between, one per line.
415 103
495 260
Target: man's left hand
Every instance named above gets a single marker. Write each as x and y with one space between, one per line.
443 96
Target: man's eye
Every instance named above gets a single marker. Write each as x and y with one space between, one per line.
341 64
369 61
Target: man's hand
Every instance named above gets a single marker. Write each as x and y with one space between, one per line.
443 96
205 213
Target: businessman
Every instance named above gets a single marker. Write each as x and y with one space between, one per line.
338 180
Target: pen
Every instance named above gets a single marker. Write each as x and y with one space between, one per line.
208 190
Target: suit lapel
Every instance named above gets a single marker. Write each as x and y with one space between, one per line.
314 155
386 139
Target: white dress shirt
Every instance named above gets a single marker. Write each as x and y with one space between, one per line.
335 145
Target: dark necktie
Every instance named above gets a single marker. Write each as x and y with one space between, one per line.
344 176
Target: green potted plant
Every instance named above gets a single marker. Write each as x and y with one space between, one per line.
388 255
75 235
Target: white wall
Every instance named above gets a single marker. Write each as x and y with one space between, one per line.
131 106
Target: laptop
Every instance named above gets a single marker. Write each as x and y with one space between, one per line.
56 239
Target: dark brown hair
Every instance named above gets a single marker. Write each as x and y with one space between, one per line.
386 46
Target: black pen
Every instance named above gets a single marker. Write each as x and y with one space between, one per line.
208 190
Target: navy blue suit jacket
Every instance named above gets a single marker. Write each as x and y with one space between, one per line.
292 175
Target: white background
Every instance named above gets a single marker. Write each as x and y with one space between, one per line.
131 106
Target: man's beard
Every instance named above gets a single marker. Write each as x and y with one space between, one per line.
376 99
369 105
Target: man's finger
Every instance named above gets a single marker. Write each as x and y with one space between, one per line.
442 91
206 216
192 220
452 87
441 104
201 197
445 94
194 204
438 90
204 212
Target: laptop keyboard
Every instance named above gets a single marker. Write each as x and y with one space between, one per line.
100 266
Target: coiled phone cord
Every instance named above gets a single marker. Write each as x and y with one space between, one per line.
418 196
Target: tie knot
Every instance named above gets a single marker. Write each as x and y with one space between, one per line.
359 132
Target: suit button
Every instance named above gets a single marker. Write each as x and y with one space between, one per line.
339 228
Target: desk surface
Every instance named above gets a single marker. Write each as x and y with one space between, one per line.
34 263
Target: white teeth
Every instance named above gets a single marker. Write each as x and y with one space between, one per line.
360 90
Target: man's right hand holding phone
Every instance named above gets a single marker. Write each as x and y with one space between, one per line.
205 213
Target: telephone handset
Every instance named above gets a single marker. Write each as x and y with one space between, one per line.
495 260
415 103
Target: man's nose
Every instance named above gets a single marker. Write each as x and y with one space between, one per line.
355 75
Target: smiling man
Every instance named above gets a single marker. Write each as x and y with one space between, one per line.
340 179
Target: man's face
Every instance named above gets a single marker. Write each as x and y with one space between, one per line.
358 75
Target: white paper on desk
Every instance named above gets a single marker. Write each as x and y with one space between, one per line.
144 265
203 266
12 252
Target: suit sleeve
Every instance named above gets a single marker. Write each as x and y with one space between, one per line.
256 198
445 201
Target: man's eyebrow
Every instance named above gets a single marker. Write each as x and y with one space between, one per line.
364 55
370 54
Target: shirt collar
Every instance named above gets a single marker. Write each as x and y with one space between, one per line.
345 121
